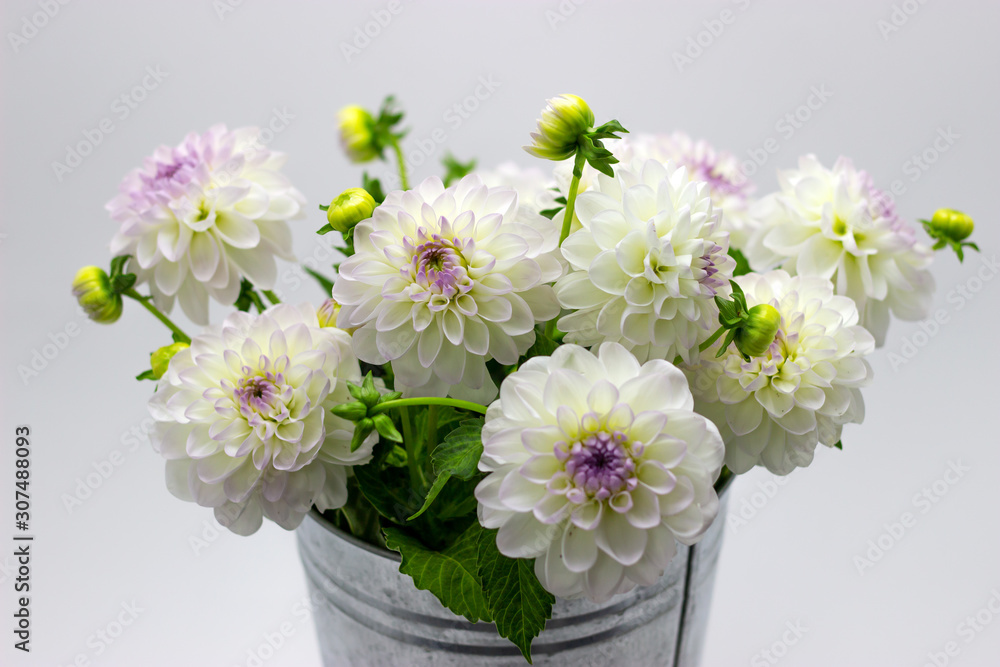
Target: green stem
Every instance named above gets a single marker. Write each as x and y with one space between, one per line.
271 296
403 180
574 187
704 346
257 300
146 303
427 400
409 442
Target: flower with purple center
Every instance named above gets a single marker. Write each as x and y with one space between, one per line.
834 224
729 188
243 418
444 280
646 264
199 217
597 466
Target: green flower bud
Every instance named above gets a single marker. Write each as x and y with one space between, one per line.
92 289
353 411
755 336
327 313
563 121
357 134
349 208
952 225
160 360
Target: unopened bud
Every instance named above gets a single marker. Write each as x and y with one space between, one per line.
92 289
357 134
952 225
755 336
563 120
349 208
159 361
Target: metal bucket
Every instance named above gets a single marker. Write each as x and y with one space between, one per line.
368 614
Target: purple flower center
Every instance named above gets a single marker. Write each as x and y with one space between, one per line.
437 266
600 465
262 396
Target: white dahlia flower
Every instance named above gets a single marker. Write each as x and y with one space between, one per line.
243 418
596 466
729 188
776 408
535 188
834 224
443 280
646 264
199 217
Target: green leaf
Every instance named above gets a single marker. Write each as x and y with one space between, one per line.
457 456
146 375
388 491
460 451
118 265
373 186
542 347
352 412
122 282
455 170
451 575
839 445
516 600
396 457
742 265
432 494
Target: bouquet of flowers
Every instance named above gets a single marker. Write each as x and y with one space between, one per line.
529 384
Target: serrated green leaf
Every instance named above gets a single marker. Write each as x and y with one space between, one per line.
458 454
516 600
432 494
388 491
451 575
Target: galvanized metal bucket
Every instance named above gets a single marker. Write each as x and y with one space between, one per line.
368 614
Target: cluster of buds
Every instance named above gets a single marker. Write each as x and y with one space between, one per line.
366 415
950 228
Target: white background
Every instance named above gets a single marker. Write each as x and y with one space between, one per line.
794 561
